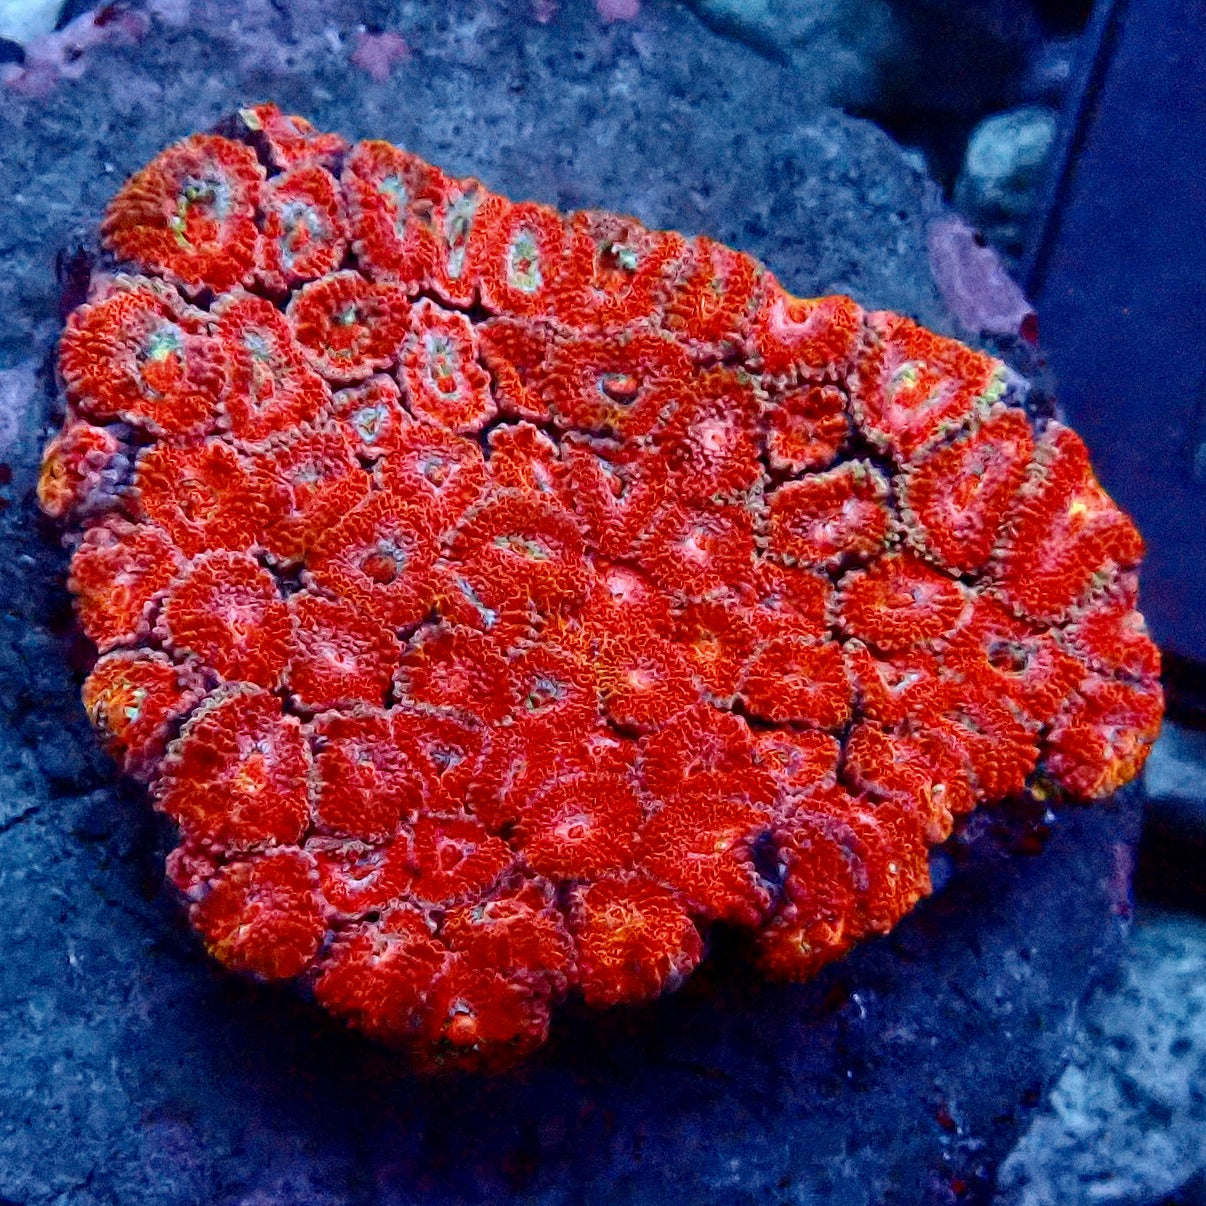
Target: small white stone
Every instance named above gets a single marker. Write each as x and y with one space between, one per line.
24 20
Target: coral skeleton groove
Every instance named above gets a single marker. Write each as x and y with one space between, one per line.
497 601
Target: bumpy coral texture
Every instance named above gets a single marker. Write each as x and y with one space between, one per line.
498 601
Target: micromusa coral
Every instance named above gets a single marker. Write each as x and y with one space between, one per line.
497 601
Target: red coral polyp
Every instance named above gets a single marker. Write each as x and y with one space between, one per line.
955 499
237 777
443 663
303 235
700 844
380 557
622 385
616 273
348 326
798 760
457 861
311 480
118 573
371 416
711 302
205 496
461 229
478 1018
227 612
523 932
522 457
806 427
379 975
516 353
795 678
615 492
134 698
912 388
288 140
694 551
1110 635
710 439
1103 738
719 639
80 467
392 196
365 786
189 215
339 656
804 338
830 519
532 547
444 383
273 388
1064 535
581 827
899 602
520 257
551 685
643 684
635 939
360 878
700 740
500 603
263 914
141 357
444 472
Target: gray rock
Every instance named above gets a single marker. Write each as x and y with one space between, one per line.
839 47
894 59
1126 1122
1003 174
1173 849
1176 768
134 1072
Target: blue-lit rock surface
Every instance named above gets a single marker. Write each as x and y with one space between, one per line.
135 1072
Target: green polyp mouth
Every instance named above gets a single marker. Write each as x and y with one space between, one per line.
625 257
441 355
369 422
257 345
393 187
544 693
996 387
134 710
347 317
177 224
213 192
488 614
525 271
524 546
164 342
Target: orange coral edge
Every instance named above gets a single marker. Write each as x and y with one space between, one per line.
497 600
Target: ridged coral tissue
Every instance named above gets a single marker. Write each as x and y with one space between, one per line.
497 601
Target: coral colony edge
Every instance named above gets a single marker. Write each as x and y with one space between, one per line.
498 600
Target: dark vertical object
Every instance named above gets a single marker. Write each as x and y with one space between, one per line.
1119 279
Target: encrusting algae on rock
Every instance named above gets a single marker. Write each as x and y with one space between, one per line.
497 600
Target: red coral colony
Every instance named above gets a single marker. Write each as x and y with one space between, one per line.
496 601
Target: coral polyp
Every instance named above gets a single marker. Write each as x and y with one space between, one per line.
498 601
